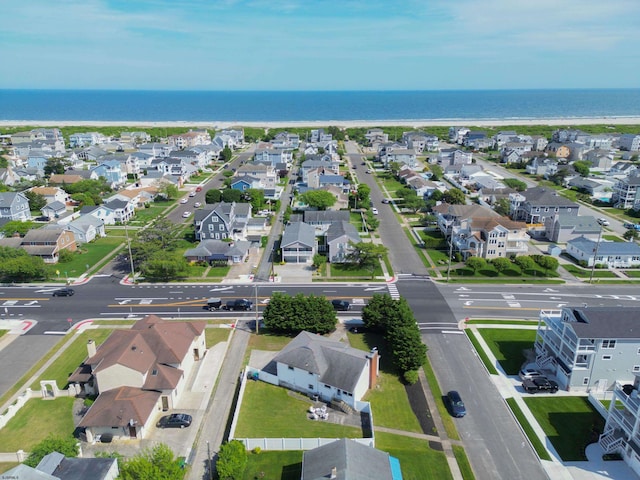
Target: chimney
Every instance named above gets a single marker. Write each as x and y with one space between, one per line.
91 348
334 473
374 365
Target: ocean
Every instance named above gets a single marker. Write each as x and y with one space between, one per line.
299 106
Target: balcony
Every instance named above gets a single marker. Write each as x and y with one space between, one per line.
630 400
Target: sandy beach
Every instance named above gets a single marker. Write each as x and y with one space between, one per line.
339 123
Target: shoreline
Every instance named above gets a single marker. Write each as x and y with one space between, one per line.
325 123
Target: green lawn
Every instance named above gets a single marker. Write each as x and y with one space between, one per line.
2 332
5 466
280 465
438 257
270 411
88 254
507 346
417 459
484 321
463 462
347 270
571 423
449 426
528 430
35 421
613 238
481 353
218 271
214 336
144 216
268 341
72 357
632 273
584 273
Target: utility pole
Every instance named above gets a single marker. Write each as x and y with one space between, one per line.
595 255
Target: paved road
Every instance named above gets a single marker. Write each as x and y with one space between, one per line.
494 443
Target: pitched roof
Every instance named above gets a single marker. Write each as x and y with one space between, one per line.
606 322
326 216
489 223
299 232
335 363
75 468
338 229
546 197
117 407
605 248
464 211
350 459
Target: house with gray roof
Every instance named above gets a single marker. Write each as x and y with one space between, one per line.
87 228
330 369
561 228
339 241
298 244
346 459
222 220
55 466
322 219
534 205
589 348
14 206
219 252
54 209
609 254
626 193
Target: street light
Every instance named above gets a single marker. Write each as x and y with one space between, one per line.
256 303
126 232
595 254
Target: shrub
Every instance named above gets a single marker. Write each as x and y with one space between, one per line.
411 377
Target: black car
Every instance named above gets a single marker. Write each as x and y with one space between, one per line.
456 405
238 304
341 305
63 292
175 420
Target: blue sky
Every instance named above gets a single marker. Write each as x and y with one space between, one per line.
320 44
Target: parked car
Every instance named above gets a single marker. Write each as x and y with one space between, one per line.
63 292
341 305
374 210
186 214
197 204
192 194
386 200
604 222
184 200
539 384
529 373
198 189
456 405
368 171
175 420
238 304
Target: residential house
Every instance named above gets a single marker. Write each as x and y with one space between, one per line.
273 156
324 164
18 138
55 466
457 134
137 373
339 241
112 171
286 140
71 177
375 136
492 195
298 244
503 137
51 194
454 156
86 139
589 348
53 210
101 212
319 135
135 137
122 210
489 237
8 176
155 149
449 215
224 140
322 219
621 433
401 156
421 141
245 182
609 254
265 173
626 193
542 166
48 242
535 204
14 206
138 197
87 228
221 221
560 150
342 197
219 252
237 134
600 160
477 140
629 142
539 143
189 139
330 369
570 135
561 228
197 158
623 169
347 459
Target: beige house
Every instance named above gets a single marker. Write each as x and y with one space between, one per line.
491 237
136 373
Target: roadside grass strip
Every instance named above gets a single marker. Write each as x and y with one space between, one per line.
481 353
507 346
449 426
528 430
463 462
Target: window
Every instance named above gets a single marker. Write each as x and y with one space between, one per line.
636 368
606 357
221 227
310 387
327 386
310 373
290 368
608 344
585 381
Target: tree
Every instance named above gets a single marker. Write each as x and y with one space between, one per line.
319 199
16 226
454 196
525 263
546 262
436 171
232 461
53 165
501 264
162 266
288 314
161 233
156 462
84 199
226 154
319 260
213 196
36 200
378 312
255 197
394 168
428 219
16 265
53 443
476 263
414 203
582 167
631 234
367 255
502 206
167 190
363 194
231 195
516 184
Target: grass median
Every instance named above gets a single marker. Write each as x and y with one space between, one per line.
528 430
480 351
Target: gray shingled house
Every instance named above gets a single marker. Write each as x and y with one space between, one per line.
298 243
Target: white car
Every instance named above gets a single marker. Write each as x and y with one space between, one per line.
374 210
529 373
186 214
184 200
604 222
192 194
197 204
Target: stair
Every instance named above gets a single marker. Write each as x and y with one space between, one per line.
611 440
342 406
543 359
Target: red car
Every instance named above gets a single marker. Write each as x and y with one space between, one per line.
198 189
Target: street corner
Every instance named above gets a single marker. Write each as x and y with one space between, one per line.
127 281
22 326
392 279
81 280
82 325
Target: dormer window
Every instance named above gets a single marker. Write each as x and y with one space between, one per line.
154 372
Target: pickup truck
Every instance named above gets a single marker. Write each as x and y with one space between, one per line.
238 304
539 384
